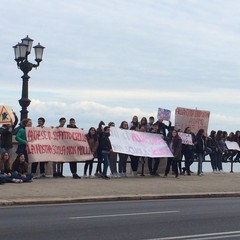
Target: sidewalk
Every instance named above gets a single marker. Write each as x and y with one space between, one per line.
62 190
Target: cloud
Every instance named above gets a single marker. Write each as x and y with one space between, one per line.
90 113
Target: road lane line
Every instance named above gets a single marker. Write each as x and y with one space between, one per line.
122 215
205 236
219 237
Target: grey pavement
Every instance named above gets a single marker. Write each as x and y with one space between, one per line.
66 190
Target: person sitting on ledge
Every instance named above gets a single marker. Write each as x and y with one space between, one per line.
20 169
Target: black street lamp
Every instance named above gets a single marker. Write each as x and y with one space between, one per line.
21 51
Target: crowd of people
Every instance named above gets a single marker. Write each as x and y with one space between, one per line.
98 139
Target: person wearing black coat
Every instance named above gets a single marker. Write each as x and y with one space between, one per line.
73 165
6 133
188 152
211 143
106 148
201 148
162 127
175 144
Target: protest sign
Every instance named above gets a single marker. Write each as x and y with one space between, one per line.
57 145
193 118
6 115
232 145
138 143
186 138
164 114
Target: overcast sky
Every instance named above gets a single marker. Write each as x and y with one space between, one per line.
112 59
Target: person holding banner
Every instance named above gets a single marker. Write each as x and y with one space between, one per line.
41 122
162 127
134 159
106 149
21 137
73 165
150 124
175 145
143 124
134 122
188 151
113 158
92 139
153 168
58 166
122 164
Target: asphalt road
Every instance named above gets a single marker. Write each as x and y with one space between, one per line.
128 220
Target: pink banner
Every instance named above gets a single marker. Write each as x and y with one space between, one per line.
57 145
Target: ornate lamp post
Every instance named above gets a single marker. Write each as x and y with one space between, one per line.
21 51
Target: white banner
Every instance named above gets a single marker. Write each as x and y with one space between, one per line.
186 138
232 145
138 143
57 145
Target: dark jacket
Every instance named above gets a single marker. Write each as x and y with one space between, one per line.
70 126
7 134
21 168
105 143
175 145
200 145
4 167
162 127
211 143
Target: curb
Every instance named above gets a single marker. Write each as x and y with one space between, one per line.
116 198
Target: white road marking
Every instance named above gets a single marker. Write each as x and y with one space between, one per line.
206 236
123 214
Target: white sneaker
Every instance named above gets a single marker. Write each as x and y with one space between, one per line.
17 180
84 176
221 171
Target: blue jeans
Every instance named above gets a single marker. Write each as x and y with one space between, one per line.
200 158
213 157
106 161
28 177
7 179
